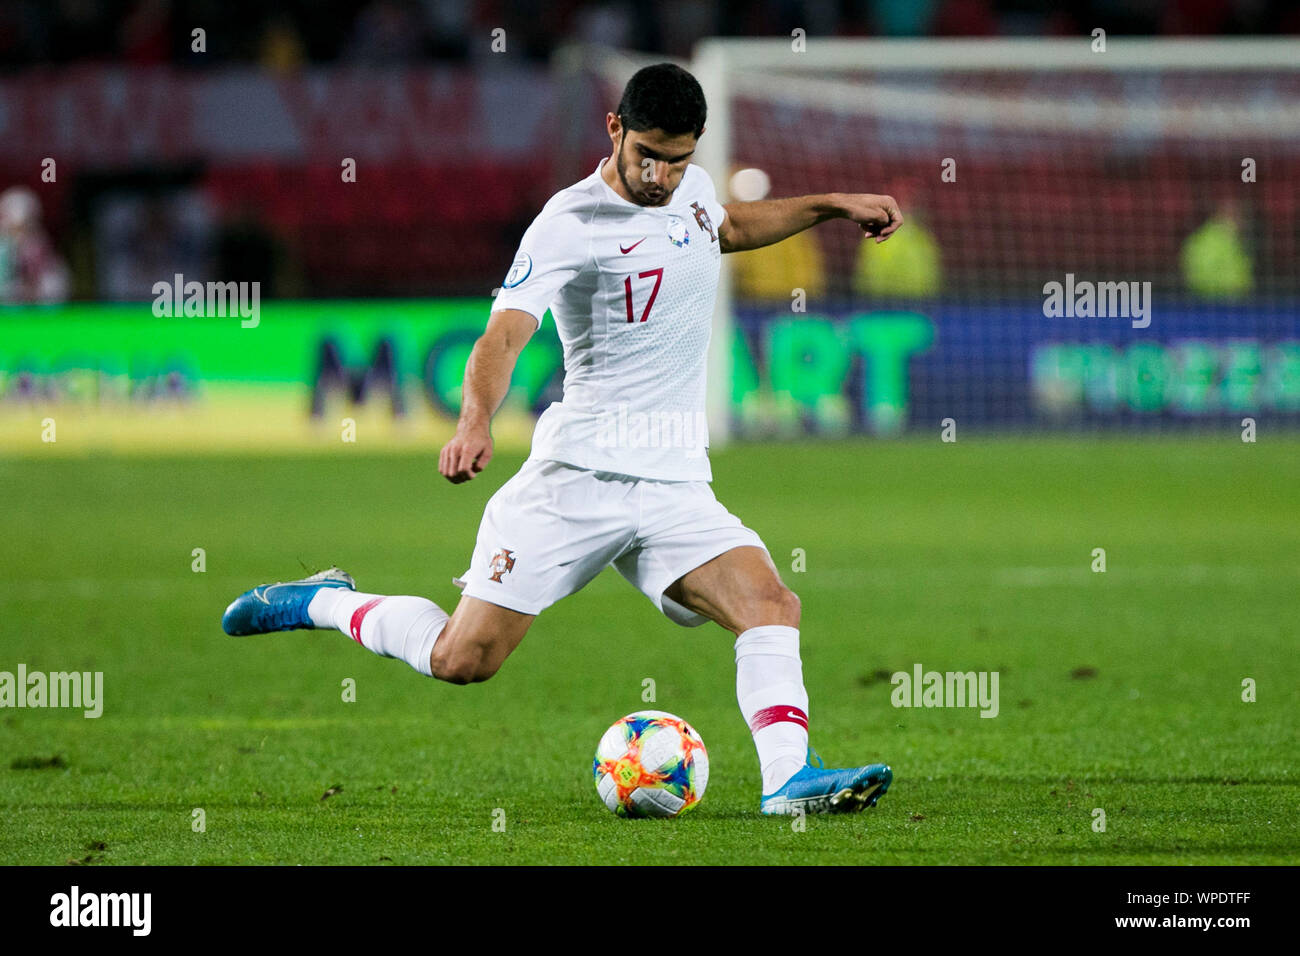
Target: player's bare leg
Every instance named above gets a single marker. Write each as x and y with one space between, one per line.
739 589
466 647
742 591
477 640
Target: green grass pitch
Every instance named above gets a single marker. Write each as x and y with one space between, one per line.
1119 691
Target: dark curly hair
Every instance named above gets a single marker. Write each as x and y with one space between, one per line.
663 96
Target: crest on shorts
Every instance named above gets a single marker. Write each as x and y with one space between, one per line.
677 233
703 221
503 562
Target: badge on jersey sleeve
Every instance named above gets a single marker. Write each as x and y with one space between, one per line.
520 270
677 232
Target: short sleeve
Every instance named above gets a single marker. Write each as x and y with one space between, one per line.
550 255
717 212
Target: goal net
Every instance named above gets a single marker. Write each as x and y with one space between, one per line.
1098 235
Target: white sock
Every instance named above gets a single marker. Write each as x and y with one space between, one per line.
769 688
401 627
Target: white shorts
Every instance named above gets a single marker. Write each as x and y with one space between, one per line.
553 527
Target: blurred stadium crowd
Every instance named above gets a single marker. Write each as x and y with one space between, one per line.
286 35
227 162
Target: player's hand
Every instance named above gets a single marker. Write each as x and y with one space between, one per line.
468 453
876 215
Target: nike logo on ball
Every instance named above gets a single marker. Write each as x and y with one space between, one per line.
631 247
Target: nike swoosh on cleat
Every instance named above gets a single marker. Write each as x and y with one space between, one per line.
631 247
262 593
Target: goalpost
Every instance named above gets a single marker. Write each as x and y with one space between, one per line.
1170 168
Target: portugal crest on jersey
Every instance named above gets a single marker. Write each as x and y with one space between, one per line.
677 232
703 221
503 562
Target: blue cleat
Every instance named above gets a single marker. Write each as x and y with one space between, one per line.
281 606
818 790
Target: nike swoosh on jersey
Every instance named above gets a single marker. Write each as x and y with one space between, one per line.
631 247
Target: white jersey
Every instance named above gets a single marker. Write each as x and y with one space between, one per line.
631 289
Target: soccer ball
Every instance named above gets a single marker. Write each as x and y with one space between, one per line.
651 764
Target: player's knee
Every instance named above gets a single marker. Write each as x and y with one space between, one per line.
462 669
779 605
790 606
460 660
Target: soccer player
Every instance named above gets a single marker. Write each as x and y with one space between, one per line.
627 262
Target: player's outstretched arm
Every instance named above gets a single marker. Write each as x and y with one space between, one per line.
487 379
751 225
